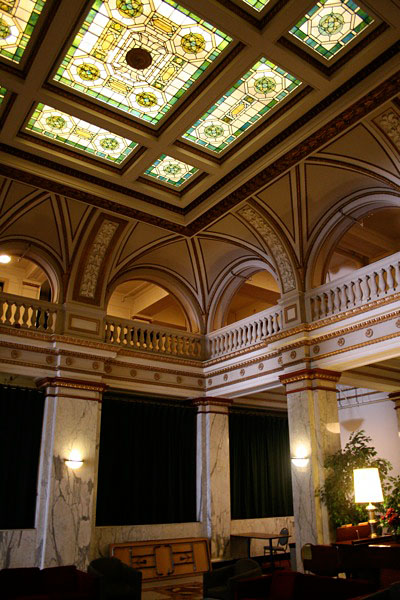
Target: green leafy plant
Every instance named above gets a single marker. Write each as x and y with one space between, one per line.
391 516
338 491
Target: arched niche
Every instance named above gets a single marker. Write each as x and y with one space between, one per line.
231 281
348 214
47 276
168 284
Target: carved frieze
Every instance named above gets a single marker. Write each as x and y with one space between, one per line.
389 123
95 258
276 247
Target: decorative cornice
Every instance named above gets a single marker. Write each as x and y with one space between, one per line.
211 401
309 375
71 383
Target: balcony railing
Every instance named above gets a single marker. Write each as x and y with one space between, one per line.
136 335
25 313
245 333
373 282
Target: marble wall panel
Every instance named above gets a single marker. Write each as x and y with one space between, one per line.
17 548
267 525
70 505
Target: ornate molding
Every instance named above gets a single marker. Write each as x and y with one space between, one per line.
95 258
309 375
71 383
276 247
389 123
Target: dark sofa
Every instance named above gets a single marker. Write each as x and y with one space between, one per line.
53 583
291 585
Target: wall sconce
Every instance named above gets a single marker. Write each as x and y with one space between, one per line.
74 461
300 461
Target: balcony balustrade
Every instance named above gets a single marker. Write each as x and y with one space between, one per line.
373 282
26 313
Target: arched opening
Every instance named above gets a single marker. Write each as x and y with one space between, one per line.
21 276
257 293
146 302
370 238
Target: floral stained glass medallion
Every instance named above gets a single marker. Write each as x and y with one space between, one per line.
59 126
256 93
258 5
182 46
170 170
330 25
17 22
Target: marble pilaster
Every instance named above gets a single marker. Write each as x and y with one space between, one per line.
314 433
65 516
213 475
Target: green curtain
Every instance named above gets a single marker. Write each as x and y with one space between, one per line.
21 422
147 462
260 468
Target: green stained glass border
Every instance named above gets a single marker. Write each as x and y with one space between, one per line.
62 76
191 134
36 126
3 92
318 46
258 5
27 27
151 171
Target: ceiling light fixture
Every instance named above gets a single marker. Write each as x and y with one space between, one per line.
138 58
5 259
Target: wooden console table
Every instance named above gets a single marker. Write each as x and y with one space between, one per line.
158 559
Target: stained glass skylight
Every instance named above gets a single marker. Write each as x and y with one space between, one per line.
170 170
56 125
256 93
17 21
258 5
182 47
330 25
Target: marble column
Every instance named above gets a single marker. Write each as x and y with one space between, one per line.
314 432
395 397
65 514
213 475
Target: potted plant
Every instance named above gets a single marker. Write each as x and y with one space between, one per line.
338 491
391 517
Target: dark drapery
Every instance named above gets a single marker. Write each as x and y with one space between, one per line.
260 469
21 421
147 462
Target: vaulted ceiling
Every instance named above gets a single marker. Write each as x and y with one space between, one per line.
289 107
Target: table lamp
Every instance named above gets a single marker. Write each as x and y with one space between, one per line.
367 488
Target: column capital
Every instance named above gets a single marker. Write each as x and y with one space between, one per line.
84 386
395 397
309 375
210 404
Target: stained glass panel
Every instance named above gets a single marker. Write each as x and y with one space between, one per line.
256 93
330 25
257 4
170 170
17 21
182 46
59 126
3 92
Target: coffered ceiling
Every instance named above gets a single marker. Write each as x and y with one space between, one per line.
174 113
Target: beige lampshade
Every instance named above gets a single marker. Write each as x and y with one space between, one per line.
367 485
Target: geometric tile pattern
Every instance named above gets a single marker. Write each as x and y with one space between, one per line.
59 126
181 44
256 4
255 94
170 170
17 21
330 25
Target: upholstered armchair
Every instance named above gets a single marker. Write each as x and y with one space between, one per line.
220 584
117 581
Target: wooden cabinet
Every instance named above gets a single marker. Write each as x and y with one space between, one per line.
165 558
